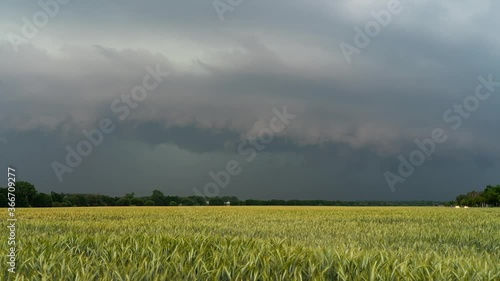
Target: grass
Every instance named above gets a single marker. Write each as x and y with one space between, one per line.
256 243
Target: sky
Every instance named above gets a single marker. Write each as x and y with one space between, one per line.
258 99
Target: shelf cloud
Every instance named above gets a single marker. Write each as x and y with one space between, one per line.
60 75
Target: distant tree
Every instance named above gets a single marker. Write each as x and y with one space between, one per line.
67 201
216 201
61 204
3 197
461 199
136 201
94 200
198 200
187 202
108 201
492 195
169 199
129 195
27 195
277 202
253 202
76 199
449 203
25 192
158 197
42 200
56 197
123 202
149 203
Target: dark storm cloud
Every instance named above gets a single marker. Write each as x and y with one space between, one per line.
353 120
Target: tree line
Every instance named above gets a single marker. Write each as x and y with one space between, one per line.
27 196
489 197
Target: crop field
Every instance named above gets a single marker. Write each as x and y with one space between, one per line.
256 243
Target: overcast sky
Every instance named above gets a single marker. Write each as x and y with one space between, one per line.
228 70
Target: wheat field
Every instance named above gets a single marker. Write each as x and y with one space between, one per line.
256 243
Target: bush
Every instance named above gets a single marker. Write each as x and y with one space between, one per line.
149 203
136 201
123 202
60 204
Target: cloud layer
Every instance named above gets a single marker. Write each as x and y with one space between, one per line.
353 120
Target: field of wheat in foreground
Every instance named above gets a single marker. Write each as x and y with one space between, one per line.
257 243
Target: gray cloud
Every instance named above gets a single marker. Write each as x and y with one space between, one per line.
353 120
